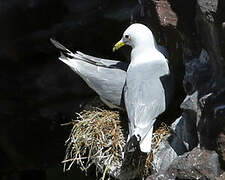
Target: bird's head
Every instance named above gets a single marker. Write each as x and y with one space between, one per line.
136 35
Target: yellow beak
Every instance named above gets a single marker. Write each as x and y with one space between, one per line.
118 45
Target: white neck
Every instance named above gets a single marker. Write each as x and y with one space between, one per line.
142 51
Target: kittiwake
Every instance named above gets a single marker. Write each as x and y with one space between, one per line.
144 83
148 84
106 77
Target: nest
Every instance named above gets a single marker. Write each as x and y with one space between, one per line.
98 138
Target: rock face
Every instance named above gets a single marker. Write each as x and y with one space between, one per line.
39 93
193 32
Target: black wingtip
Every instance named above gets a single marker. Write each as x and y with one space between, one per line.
52 40
59 46
56 43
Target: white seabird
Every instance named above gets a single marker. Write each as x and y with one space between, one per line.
145 82
148 84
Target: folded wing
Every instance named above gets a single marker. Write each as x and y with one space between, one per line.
105 77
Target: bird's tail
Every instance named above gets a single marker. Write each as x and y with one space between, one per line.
146 142
141 138
135 142
132 166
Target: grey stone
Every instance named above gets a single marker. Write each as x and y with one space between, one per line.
196 164
188 132
163 156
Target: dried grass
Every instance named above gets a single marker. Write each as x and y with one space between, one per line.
97 137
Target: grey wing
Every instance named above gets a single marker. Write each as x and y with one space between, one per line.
108 83
105 77
143 104
144 98
102 62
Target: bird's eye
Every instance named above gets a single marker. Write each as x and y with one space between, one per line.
127 36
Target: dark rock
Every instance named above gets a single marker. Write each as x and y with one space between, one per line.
221 147
65 21
38 93
167 16
197 164
185 126
208 31
211 124
208 8
177 144
198 74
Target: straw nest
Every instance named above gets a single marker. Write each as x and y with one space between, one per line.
98 137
